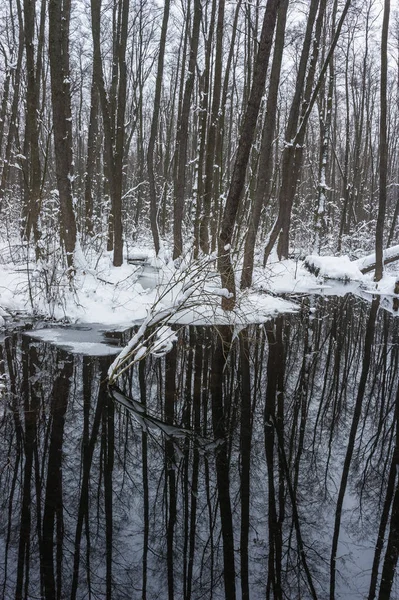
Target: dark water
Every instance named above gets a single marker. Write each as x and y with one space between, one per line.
261 463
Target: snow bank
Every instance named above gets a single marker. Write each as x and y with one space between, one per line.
100 293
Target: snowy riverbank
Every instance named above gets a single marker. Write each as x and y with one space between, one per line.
104 294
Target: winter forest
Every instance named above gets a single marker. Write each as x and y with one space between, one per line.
199 299
237 128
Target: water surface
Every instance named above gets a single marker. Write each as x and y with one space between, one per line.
253 463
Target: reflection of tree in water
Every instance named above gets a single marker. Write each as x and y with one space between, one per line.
277 456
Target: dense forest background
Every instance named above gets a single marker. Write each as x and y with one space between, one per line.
231 126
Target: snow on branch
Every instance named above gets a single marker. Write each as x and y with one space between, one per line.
187 290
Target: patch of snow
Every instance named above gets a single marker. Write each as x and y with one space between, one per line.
251 308
187 293
335 267
89 341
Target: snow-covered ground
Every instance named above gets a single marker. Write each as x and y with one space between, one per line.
101 293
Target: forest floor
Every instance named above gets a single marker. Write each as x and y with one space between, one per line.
101 293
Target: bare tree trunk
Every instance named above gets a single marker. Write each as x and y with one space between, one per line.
203 120
219 149
182 135
32 166
265 166
113 113
13 122
91 158
383 150
211 145
345 175
244 148
120 133
292 156
325 118
293 152
59 20
5 96
154 129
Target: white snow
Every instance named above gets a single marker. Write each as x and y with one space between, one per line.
369 260
158 292
335 267
88 340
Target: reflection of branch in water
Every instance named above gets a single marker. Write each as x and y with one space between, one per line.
148 422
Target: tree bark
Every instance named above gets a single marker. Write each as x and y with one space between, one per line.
182 136
120 133
211 145
154 129
91 158
13 122
265 167
32 166
59 21
244 148
113 113
383 149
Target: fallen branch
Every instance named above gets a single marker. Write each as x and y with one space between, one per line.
367 263
154 335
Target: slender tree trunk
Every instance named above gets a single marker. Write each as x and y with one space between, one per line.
4 99
154 129
120 133
211 145
91 158
383 149
325 119
219 147
265 167
182 135
13 122
292 155
59 20
345 175
32 166
113 114
203 120
244 148
294 150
